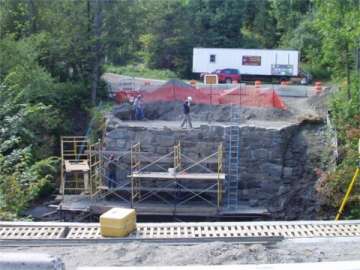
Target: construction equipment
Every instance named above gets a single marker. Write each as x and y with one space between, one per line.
350 187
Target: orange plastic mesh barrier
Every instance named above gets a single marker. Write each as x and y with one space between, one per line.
247 96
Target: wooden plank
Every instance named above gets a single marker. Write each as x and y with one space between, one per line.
76 166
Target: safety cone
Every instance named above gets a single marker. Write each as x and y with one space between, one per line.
318 87
193 83
257 84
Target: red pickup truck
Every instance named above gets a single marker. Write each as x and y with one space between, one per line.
227 75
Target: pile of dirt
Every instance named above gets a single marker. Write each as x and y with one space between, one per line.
214 253
177 83
319 101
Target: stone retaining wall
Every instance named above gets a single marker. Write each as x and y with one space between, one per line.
276 164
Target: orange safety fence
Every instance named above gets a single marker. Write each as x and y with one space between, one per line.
247 96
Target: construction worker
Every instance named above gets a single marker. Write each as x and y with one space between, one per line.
186 109
139 108
111 172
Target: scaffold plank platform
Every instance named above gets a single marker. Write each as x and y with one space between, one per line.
76 166
83 203
184 176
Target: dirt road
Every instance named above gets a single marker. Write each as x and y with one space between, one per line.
145 254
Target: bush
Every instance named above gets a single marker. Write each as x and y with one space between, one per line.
141 71
317 71
332 186
97 122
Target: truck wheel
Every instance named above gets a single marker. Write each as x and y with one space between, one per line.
228 80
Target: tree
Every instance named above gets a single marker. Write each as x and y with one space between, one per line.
339 26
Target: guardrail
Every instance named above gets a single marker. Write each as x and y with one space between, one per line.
227 231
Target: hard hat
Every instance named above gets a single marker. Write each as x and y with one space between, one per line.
189 98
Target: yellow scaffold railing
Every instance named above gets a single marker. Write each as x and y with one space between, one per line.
135 167
350 188
177 157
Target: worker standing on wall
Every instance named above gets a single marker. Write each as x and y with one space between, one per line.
139 108
186 108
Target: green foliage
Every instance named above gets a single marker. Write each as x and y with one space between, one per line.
34 111
354 212
141 71
52 54
318 71
97 122
345 113
328 37
22 180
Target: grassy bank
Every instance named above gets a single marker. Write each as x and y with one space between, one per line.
141 71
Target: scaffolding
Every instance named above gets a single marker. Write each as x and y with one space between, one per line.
80 165
172 184
135 167
95 161
108 186
176 186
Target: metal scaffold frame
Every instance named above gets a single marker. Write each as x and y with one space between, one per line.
103 189
171 182
80 165
135 167
188 186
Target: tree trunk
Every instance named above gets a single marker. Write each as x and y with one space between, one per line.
32 17
348 77
96 51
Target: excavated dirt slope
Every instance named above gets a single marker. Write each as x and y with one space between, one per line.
214 253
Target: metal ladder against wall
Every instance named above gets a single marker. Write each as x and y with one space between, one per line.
232 138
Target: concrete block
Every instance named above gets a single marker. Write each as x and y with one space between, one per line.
163 150
166 140
287 172
272 170
118 222
261 154
118 134
269 188
29 261
121 143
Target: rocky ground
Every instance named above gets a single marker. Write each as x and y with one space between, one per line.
302 102
213 253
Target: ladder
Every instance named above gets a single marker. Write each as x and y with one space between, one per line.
232 138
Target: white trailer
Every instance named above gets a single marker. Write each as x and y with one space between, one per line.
253 62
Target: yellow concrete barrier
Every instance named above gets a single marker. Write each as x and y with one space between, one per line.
118 222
